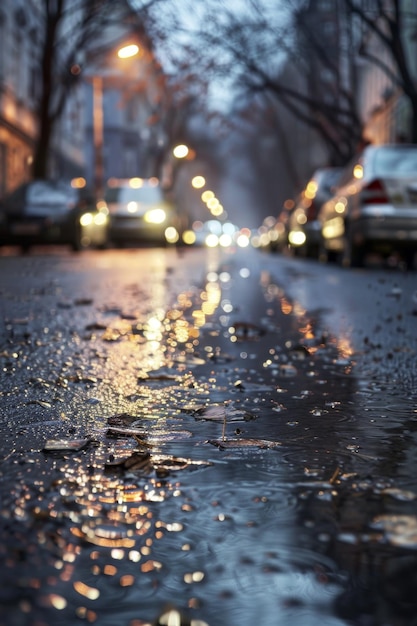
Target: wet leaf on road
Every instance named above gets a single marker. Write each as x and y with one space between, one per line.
96 326
65 444
221 413
146 462
42 403
122 419
83 301
244 443
115 431
138 461
147 440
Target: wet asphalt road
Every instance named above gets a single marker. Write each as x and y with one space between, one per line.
229 433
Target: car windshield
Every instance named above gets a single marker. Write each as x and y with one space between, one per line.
44 193
398 161
145 195
330 178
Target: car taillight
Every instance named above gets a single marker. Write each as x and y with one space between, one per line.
374 193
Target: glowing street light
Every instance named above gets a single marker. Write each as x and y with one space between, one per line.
125 52
181 151
198 182
128 51
207 195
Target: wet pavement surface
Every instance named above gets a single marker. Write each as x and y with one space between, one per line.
229 435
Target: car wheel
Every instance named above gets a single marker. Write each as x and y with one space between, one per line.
312 251
323 254
409 258
353 255
76 243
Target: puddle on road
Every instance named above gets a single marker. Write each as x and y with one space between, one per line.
219 456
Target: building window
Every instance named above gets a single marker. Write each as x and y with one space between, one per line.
129 163
132 110
326 5
34 82
16 64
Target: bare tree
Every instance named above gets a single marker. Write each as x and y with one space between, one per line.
391 22
67 29
249 49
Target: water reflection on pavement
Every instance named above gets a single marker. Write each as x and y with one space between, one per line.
206 446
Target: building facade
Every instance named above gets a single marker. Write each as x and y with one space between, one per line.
385 110
21 26
123 135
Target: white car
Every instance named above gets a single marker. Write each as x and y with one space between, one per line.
140 212
374 208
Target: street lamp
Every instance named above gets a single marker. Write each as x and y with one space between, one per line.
198 182
125 52
181 151
131 50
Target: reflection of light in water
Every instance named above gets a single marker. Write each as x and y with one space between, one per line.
211 298
307 331
286 307
153 329
227 306
199 318
212 277
344 347
84 590
298 310
224 277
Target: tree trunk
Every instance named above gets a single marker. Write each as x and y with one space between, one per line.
414 119
42 151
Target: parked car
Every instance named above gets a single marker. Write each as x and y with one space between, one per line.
51 212
374 209
139 212
303 227
272 234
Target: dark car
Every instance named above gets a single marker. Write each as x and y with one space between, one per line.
304 228
51 212
139 212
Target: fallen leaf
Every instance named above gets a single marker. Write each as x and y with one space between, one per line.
65 444
243 443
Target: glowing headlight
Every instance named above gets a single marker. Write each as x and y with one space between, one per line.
86 219
296 238
100 219
155 216
171 234
212 240
225 240
243 240
189 237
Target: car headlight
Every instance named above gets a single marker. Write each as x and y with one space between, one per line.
101 219
155 216
296 238
86 219
171 234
